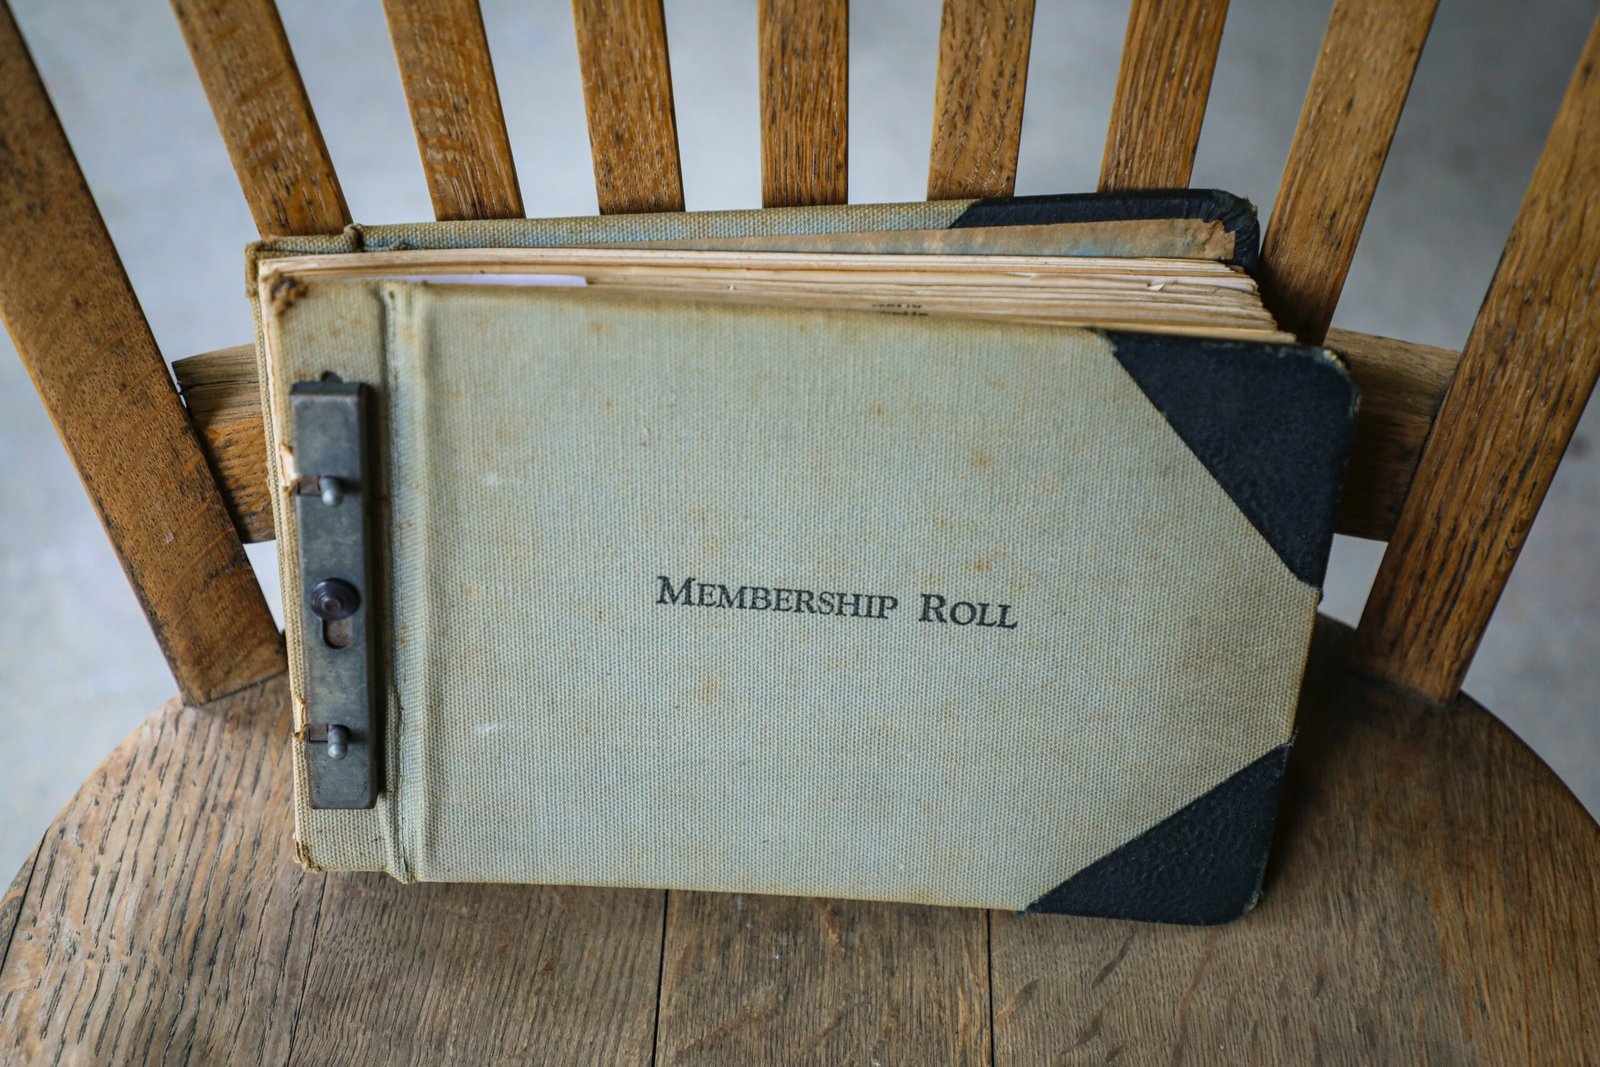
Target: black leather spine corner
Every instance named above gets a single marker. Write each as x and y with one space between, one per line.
1201 866
1236 214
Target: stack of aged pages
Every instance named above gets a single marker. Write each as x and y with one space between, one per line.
963 553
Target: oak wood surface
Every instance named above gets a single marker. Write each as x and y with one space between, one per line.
627 93
805 91
1434 894
1400 386
11 902
162 925
250 77
84 340
1526 371
1162 87
517 974
753 979
978 96
1358 88
454 101
166 921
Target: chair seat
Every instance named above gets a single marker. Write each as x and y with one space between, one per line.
1434 894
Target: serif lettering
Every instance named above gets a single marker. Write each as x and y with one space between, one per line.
935 607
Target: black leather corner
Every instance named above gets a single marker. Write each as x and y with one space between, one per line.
1199 867
1271 423
1236 214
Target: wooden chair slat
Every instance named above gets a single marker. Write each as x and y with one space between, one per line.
1526 372
627 92
1363 73
759 979
977 107
450 88
805 91
223 394
1162 87
1401 385
84 340
250 77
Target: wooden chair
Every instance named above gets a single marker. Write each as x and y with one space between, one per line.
1434 892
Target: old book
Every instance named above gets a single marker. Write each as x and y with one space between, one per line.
723 571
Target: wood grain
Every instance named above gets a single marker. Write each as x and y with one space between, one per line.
250 77
513 974
223 395
1433 897
1168 58
805 92
11 903
84 341
627 92
166 921
1401 385
450 88
1358 89
978 97
753 979
1526 371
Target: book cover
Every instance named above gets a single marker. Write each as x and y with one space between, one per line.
791 600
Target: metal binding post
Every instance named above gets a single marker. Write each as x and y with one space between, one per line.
333 513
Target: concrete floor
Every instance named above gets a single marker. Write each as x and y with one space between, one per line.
78 667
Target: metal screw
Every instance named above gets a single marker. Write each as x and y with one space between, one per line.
338 742
333 599
332 491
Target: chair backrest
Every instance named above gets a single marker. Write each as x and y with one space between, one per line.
1454 453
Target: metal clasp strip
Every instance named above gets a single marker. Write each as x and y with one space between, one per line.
334 507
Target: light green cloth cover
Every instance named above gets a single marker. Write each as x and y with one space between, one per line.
557 714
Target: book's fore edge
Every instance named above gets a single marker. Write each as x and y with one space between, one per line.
1201 866
1235 214
1272 423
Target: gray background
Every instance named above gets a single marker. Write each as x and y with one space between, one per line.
78 667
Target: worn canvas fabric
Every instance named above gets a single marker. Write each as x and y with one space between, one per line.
1178 223
846 604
